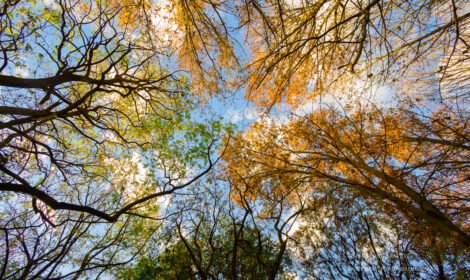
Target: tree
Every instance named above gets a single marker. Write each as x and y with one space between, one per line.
213 238
94 127
302 49
349 238
101 97
386 156
108 126
413 155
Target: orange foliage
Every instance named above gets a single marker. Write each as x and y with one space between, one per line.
395 157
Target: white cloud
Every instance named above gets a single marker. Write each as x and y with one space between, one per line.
22 72
163 201
165 24
379 95
361 96
141 174
51 4
246 114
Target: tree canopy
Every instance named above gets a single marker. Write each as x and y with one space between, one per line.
213 139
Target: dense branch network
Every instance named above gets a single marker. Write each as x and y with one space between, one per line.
356 167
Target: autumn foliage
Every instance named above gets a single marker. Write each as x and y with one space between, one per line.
215 139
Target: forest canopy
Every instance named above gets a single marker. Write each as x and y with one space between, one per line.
207 139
